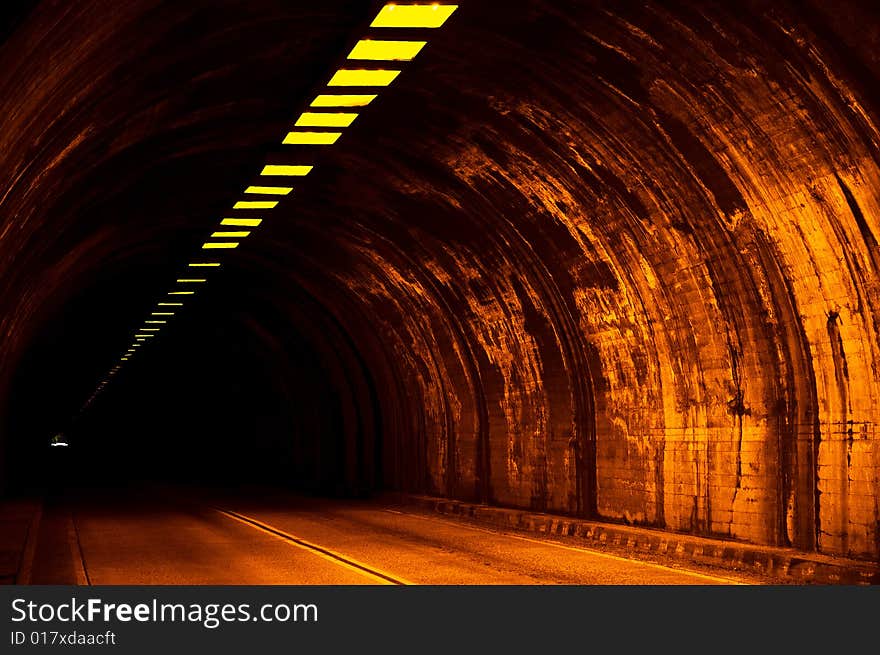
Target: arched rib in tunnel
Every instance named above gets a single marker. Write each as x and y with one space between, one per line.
617 260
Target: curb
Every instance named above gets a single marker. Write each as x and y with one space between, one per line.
786 564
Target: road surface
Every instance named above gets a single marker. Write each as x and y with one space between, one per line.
182 537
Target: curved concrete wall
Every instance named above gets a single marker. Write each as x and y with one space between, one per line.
618 261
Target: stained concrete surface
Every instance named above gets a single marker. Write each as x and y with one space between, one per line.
617 260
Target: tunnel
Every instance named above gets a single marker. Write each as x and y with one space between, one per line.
615 261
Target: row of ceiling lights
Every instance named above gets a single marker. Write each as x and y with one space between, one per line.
325 112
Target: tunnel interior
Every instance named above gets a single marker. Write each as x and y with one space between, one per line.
613 260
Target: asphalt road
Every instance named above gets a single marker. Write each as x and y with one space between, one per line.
183 537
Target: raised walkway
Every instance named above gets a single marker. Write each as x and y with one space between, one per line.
786 565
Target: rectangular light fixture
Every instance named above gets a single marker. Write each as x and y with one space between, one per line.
376 50
311 138
241 222
161 313
144 336
154 322
433 15
269 190
150 329
170 304
200 264
255 204
332 100
124 359
191 280
329 119
276 169
349 77
140 338
208 245
181 293
227 235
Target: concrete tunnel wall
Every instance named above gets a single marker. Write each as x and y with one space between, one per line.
618 260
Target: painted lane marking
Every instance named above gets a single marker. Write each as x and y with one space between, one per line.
320 551
717 579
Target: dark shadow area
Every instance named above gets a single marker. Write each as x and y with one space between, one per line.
217 397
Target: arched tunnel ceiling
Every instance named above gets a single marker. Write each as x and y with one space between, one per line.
617 258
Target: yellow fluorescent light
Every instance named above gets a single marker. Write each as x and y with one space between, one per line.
413 15
331 100
348 77
193 280
150 329
241 222
311 138
219 244
386 50
141 339
161 313
196 264
222 235
315 119
181 293
170 304
155 322
269 190
273 169
255 204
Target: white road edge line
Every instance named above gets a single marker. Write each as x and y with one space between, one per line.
589 551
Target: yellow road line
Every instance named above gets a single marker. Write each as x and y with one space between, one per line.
321 551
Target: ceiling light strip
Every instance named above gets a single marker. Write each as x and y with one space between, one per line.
372 50
325 119
277 169
241 222
428 16
363 77
379 50
309 138
343 100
